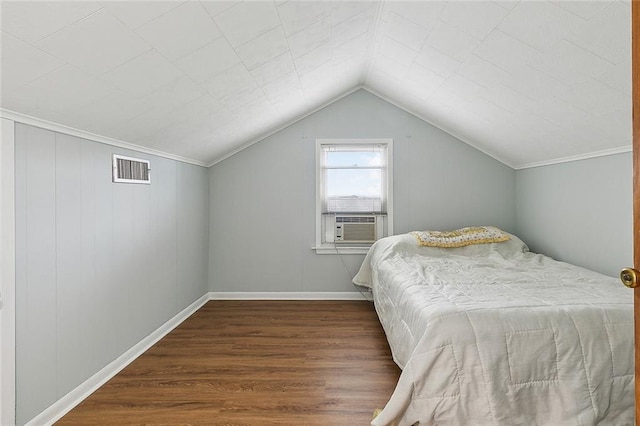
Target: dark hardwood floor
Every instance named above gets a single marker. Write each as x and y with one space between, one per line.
255 363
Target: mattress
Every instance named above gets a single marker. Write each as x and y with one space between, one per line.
493 334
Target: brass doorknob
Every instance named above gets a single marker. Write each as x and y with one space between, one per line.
629 277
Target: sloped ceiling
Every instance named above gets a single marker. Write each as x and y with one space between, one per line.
524 81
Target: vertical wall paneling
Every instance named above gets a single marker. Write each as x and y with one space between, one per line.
70 291
140 286
21 250
124 281
97 266
8 272
144 236
105 274
36 351
92 354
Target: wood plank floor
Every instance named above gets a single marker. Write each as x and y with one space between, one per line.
255 363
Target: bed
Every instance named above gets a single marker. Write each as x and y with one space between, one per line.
492 334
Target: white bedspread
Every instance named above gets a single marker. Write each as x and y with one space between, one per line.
495 335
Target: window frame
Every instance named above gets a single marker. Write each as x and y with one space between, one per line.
322 247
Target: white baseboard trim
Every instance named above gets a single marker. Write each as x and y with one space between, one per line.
65 404
286 295
76 396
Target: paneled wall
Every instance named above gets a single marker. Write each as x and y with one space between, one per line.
99 266
7 271
262 200
579 212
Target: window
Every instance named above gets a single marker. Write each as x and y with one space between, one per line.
353 193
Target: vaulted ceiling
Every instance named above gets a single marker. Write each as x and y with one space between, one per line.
524 81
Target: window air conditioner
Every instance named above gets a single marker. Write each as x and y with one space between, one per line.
355 229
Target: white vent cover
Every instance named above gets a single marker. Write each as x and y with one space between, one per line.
131 170
355 219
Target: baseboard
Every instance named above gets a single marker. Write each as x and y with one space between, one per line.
65 404
277 295
76 396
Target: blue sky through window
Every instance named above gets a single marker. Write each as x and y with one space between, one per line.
354 181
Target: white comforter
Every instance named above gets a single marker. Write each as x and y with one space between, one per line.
495 335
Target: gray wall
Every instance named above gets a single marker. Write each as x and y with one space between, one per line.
99 265
262 200
579 212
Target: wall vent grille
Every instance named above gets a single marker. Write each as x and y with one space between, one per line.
131 170
355 219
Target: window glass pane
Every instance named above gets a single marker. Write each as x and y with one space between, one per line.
354 190
354 158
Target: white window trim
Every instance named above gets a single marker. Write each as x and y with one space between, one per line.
332 248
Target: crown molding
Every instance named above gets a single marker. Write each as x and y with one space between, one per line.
49 125
569 159
60 128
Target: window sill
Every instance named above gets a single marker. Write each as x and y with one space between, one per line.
340 250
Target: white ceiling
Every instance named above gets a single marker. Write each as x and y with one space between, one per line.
525 81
